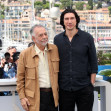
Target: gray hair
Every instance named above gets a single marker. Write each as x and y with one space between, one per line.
33 27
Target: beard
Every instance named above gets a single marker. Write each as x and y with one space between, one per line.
43 42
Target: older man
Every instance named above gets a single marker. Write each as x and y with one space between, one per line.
37 73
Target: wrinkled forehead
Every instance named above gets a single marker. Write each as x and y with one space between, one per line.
37 29
40 30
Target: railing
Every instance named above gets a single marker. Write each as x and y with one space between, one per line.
9 103
13 102
105 96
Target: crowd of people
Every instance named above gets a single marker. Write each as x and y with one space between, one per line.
8 63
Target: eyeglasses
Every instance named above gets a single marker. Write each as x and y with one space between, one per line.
11 47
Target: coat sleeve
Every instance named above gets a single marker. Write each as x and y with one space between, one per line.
21 77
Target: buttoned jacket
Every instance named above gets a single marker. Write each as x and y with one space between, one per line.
28 78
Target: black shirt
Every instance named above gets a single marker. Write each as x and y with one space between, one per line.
77 60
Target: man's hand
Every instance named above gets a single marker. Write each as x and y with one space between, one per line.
25 104
93 78
3 62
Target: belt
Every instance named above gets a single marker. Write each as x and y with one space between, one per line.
46 89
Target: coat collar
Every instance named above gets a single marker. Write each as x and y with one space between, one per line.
33 52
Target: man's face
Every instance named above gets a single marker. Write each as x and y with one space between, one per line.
40 37
12 51
69 21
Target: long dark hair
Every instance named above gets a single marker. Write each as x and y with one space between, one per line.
69 11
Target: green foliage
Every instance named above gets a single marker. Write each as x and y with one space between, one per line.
88 7
79 5
56 5
38 7
38 3
90 2
66 3
106 72
103 58
2 11
44 1
109 8
2 7
46 6
100 58
2 17
99 5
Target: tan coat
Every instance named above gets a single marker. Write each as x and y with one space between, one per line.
28 79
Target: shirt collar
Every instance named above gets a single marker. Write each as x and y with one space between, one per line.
78 33
38 50
34 53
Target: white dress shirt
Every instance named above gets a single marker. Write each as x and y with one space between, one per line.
43 68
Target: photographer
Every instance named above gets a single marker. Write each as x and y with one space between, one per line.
5 64
13 70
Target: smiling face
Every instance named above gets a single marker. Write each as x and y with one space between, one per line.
70 21
40 36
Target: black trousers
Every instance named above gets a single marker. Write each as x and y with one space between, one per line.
47 101
83 98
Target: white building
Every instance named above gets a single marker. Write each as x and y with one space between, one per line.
15 9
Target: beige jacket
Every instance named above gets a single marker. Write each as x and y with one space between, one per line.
27 75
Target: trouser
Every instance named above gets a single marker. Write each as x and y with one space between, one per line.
47 101
83 98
